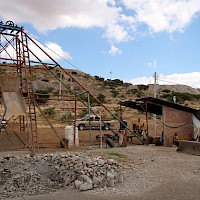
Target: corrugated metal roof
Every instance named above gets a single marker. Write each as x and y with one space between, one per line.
154 105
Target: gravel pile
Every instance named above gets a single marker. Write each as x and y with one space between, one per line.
26 184
44 173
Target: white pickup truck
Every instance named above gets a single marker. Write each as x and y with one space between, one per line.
93 121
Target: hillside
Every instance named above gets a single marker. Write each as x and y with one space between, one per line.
107 91
60 109
115 90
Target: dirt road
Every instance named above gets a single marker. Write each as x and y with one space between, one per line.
150 172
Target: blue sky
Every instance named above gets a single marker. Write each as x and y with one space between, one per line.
124 39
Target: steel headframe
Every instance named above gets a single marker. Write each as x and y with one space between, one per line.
23 61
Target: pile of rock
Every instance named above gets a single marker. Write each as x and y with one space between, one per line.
30 175
26 184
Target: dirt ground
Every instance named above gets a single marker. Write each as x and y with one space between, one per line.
150 172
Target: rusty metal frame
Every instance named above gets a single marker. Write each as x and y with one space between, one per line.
23 62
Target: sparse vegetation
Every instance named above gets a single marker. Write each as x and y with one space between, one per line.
116 154
49 112
50 90
99 78
101 98
87 76
45 80
113 83
83 113
166 91
143 87
74 73
181 97
127 84
42 96
2 71
58 73
93 101
114 92
109 91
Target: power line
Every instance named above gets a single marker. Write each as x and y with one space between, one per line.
54 52
170 82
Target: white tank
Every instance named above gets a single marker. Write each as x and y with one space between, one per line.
69 135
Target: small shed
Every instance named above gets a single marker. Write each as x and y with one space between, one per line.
175 118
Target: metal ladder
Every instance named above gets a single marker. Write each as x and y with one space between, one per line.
19 74
30 100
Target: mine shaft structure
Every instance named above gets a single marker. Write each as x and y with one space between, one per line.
15 54
18 52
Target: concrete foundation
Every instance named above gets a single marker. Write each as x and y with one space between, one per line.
190 147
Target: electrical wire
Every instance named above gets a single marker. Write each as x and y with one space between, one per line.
53 52
184 124
170 82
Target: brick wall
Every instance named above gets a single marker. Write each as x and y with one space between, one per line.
176 118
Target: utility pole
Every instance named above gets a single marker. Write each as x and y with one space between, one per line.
110 75
154 115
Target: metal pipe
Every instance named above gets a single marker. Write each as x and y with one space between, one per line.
89 118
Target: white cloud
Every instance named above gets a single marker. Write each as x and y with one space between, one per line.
109 15
50 15
116 32
52 49
114 50
164 15
191 79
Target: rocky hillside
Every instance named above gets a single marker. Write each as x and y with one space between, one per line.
106 90
115 90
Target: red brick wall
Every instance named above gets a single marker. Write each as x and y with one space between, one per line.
176 118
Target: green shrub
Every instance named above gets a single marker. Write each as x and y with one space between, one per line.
87 76
74 73
133 91
99 78
113 83
181 97
114 93
83 113
143 87
49 112
126 84
93 102
166 91
101 98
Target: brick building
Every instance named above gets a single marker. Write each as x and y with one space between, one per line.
175 118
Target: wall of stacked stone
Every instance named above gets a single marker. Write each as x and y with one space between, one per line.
181 120
31 175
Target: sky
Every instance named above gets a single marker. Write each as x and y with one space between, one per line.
117 39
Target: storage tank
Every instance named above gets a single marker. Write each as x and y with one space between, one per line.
69 135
